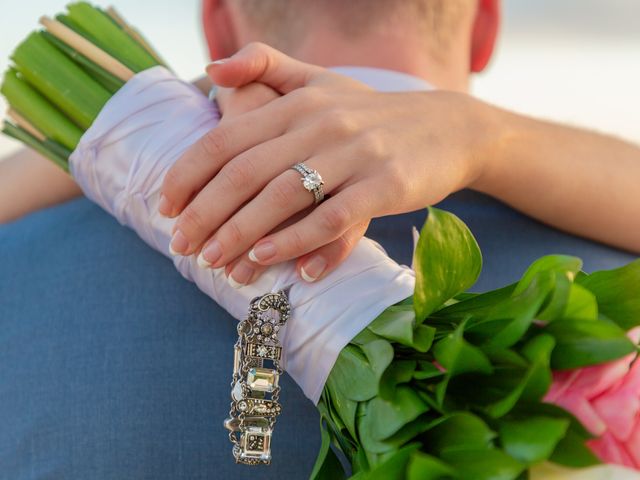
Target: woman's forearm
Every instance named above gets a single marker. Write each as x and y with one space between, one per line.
29 182
575 180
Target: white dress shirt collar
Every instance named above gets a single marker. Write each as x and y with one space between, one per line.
384 80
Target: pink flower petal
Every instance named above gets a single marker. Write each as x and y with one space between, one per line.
562 381
632 379
606 400
618 411
600 378
609 450
633 444
584 412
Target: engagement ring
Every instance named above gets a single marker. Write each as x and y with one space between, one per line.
311 181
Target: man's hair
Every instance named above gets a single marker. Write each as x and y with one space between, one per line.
283 22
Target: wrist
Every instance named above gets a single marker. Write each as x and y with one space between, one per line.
496 130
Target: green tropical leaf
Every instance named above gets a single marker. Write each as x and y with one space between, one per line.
566 265
572 451
461 431
484 464
558 299
582 304
395 466
618 293
387 417
396 324
427 370
531 440
519 312
458 356
400 371
379 355
581 343
327 466
447 261
476 305
344 407
359 461
352 375
532 384
425 467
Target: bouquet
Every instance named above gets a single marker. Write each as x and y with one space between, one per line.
441 384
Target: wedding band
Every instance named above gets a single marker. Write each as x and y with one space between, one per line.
311 181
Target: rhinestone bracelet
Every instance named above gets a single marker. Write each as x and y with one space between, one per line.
255 388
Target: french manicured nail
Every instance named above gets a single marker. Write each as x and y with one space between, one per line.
262 252
179 243
220 61
202 262
211 253
240 275
213 93
165 208
313 268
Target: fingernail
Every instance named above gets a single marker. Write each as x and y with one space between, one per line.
164 207
202 262
179 244
313 268
220 61
212 253
262 252
213 92
240 275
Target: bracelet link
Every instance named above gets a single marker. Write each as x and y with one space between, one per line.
256 379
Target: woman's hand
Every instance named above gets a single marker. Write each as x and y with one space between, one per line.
378 153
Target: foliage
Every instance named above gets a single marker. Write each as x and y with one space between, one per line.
58 91
451 385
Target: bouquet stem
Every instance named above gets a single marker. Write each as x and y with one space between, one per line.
84 47
63 76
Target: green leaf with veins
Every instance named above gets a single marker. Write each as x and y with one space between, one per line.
447 259
566 265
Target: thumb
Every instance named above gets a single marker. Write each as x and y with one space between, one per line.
258 62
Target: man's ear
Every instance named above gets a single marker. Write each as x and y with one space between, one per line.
485 31
219 29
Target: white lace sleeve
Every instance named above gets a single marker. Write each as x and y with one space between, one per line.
120 164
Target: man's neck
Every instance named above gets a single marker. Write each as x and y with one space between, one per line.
398 44
391 53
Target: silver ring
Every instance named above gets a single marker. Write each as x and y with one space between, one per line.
311 181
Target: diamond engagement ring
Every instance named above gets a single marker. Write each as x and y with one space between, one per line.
311 181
